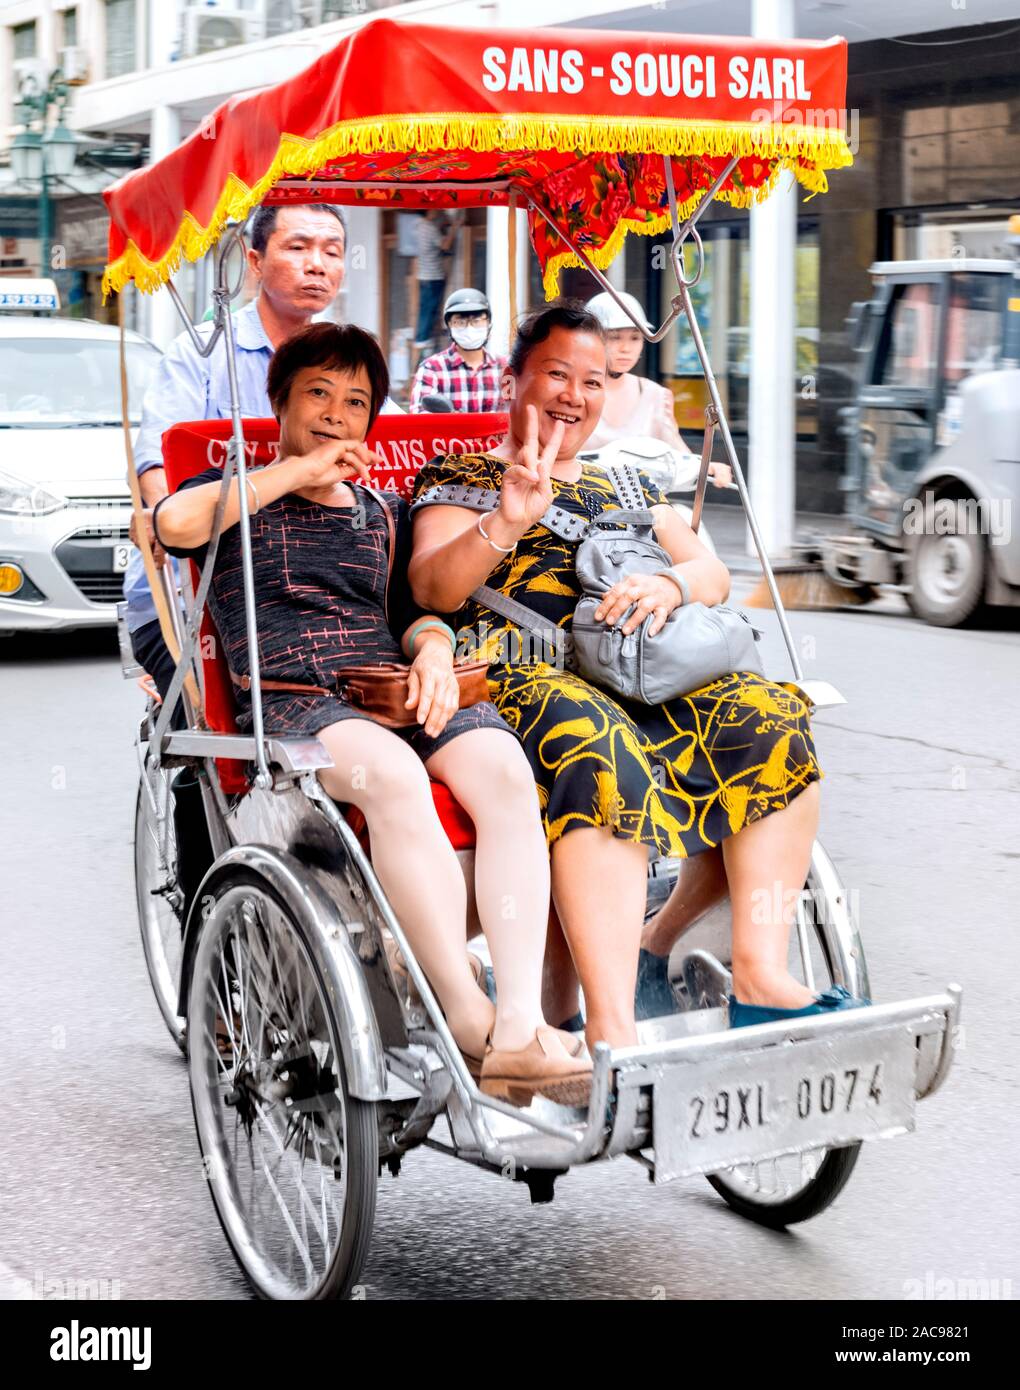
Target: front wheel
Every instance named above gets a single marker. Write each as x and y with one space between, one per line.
946 567
825 950
291 1157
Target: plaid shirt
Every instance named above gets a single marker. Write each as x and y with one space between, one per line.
468 388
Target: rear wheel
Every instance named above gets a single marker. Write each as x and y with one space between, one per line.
291 1157
825 950
946 567
158 894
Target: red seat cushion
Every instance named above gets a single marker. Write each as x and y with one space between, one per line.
404 443
459 827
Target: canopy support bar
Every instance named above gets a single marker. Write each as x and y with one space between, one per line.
734 462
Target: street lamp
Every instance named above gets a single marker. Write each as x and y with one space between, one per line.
59 148
27 156
38 157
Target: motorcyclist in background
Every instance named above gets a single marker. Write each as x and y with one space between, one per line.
635 406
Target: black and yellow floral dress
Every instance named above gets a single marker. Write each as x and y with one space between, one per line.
678 777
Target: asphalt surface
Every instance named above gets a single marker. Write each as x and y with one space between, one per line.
102 1179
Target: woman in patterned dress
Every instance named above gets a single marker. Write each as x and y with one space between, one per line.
320 558
730 767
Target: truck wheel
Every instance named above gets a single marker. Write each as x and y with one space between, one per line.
946 566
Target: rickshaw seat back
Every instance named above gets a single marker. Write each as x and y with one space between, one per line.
405 443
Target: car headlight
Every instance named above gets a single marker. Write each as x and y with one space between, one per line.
26 499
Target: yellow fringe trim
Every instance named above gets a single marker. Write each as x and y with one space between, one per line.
297 156
602 256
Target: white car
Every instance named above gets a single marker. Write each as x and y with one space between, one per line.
64 500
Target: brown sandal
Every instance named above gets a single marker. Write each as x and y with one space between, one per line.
554 1065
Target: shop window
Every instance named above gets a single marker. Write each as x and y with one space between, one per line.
464 265
722 303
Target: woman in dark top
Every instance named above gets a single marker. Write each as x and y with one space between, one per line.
320 556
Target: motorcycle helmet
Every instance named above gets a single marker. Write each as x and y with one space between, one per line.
466 302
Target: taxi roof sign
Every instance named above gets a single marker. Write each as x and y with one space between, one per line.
20 294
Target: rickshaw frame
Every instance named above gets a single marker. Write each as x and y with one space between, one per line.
287 805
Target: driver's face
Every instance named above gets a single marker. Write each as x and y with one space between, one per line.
564 379
302 267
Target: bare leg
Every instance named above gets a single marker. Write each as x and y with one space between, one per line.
419 872
489 775
560 1000
702 884
766 864
599 887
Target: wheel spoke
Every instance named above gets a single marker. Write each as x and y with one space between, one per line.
306 1201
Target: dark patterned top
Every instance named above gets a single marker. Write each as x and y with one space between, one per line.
320 577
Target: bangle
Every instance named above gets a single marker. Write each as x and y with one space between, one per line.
503 550
680 580
435 625
258 504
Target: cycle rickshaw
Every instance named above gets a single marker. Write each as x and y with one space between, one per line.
310 1069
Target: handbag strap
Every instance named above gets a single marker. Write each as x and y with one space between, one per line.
561 643
391 541
627 486
482 499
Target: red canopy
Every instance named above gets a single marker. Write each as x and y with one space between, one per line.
410 115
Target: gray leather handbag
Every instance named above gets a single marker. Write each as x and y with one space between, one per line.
696 645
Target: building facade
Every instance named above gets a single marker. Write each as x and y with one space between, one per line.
934 117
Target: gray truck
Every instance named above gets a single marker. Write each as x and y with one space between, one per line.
933 460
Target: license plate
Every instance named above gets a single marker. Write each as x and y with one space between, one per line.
121 557
742 1107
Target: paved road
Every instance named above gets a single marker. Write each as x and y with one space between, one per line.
101 1175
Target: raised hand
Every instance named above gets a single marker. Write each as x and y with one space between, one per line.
527 492
334 462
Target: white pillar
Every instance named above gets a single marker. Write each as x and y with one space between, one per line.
358 302
496 285
771 416
164 135
497 280
163 22
616 272
46 36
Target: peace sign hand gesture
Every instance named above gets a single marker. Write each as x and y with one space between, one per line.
527 493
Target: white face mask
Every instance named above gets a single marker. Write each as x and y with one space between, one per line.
470 339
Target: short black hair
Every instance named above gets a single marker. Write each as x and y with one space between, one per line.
263 224
536 327
338 347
